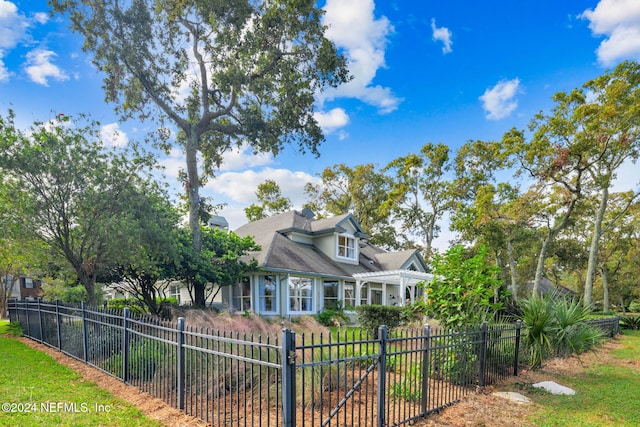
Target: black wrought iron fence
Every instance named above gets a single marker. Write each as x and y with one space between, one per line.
228 379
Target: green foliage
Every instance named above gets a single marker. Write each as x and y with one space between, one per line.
630 322
135 305
371 317
219 261
259 67
55 290
634 306
333 316
83 196
145 357
463 289
14 329
360 191
271 202
555 326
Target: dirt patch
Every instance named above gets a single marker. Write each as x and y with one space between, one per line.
150 406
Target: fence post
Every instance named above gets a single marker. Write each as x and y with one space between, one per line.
85 332
26 309
288 378
125 345
382 374
40 321
517 353
425 368
58 325
180 364
483 356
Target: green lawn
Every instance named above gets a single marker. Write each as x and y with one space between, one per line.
606 394
37 391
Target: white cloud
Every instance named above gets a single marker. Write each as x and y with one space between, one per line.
4 73
442 34
243 158
13 25
174 163
619 21
499 101
353 27
39 67
331 120
41 17
112 136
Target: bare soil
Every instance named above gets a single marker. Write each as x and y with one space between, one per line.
477 410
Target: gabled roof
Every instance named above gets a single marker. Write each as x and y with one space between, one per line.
279 253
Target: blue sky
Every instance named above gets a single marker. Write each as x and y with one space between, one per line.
424 71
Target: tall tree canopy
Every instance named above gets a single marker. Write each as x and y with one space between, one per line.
360 190
74 194
271 202
421 193
224 72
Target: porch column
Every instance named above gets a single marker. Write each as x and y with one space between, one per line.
357 293
403 299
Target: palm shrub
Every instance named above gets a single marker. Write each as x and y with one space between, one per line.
556 326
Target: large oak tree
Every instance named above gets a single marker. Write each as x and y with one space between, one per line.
223 72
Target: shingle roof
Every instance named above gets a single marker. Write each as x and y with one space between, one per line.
281 253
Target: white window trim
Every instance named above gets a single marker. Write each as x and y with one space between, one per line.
355 247
276 297
312 305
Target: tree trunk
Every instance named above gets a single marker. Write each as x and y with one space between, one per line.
593 250
605 288
540 266
192 187
512 270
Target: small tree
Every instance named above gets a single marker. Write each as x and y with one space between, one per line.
218 263
464 288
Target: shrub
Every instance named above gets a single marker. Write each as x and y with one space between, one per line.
332 316
630 322
554 325
463 288
634 307
371 317
14 329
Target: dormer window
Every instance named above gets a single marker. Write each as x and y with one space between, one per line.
346 247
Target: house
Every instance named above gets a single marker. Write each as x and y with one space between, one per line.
307 265
24 288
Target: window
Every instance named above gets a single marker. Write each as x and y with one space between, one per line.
267 293
349 294
27 283
242 295
376 296
364 295
174 292
330 294
346 247
300 294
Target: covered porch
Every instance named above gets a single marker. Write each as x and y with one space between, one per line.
391 287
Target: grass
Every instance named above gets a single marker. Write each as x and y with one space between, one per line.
37 391
606 393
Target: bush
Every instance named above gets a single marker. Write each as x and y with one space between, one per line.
630 322
634 307
332 316
137 306
554 325
371 317
14 329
